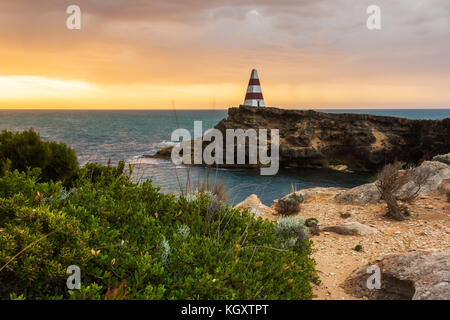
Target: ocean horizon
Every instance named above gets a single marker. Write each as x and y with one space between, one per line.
112 135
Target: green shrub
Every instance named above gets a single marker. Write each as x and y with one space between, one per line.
289 205
26 150
133 242
293 229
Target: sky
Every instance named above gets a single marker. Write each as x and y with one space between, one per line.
194 54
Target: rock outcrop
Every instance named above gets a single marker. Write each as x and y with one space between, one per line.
361 142
254 205
445 158
305 194
421 275
358 142
368 193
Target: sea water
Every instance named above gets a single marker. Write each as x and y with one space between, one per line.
102 136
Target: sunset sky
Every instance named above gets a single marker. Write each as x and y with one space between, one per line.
133 54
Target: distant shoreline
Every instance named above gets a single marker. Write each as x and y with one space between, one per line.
324 109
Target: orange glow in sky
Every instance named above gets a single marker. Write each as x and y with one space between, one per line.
199 54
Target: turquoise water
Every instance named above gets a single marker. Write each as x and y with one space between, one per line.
102 135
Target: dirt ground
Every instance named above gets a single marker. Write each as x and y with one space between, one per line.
428 228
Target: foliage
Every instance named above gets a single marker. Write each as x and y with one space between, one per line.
313 226
133 242
26 150
293 229
396 185
289 205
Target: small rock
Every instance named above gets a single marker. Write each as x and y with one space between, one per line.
345 215
420 275
351 228
358 248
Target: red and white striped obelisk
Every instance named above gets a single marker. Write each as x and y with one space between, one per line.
254 96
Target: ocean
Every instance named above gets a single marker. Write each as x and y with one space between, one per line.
100 136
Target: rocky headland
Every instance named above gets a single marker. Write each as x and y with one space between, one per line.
413 255
353 229
358 142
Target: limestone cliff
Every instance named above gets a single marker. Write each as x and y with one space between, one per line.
357 141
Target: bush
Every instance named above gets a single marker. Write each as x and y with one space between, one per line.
293 229
26 150
313 226
392 181
289 205
133 242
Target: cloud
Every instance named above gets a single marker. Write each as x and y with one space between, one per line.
198 42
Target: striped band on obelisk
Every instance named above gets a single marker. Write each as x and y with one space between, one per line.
254 96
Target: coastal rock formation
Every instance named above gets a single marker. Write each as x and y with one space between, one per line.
445 158
444 186
368 193
421 275
370 235
358 141
254 205
342 141
310 192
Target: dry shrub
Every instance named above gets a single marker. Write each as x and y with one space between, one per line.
289 205
218 189
396 185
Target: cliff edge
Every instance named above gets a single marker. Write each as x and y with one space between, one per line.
359 142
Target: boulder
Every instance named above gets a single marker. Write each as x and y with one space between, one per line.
420 275
351 228
366 193
444 158
444 186
311 192
439 171
254 205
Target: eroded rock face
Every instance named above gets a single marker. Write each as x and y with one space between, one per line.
439 171
444 158
421 275
351 228
311 192
444 186
356 142
368 193
254 205
361 142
